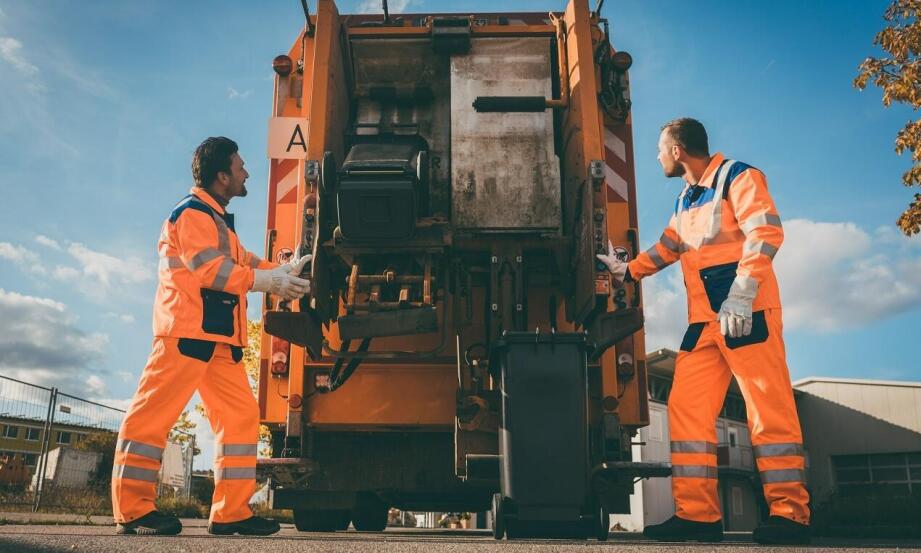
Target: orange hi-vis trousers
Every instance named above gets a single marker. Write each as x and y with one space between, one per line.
176 368
703 370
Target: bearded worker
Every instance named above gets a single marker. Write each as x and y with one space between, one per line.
725 230
199 326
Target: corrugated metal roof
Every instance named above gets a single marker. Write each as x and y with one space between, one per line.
858 381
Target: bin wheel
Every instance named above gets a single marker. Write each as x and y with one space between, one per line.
369 513
321 520
602 524
498 517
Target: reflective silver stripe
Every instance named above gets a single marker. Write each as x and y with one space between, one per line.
778 450
237 473
669 244
656 258
223 274
203 257
134 473
254 261
725 237
759 246
171 262
138 448
223 235
694 471
236 450
694 447
783 475
716 220
762 220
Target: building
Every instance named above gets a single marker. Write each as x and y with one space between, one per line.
739 485
860 436
22 437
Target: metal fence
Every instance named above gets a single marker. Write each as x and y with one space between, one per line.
57 450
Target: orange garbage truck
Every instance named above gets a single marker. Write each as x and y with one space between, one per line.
461 348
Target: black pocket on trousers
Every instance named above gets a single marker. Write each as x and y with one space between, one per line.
691 336
759 333
196 349
218 312
717 281
236 352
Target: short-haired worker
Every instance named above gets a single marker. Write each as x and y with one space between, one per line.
725 230
199 327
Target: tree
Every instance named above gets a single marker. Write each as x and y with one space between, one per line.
898 74
183 431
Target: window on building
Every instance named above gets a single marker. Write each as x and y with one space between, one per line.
63 437
733 437
734 408
738 506
659 388
30 459
10 431
33 434
896 473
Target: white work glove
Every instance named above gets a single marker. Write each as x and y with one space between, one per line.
735 314
283 280
615 265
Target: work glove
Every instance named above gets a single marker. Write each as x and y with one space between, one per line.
283 280
735 314
614 263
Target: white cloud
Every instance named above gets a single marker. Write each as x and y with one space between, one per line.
233 93
832 276
96 385
48 242
23 257
123 317
40 342
394 6
107 269
11 52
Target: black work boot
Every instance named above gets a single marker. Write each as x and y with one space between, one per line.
153 523
781 531
679 529
253 526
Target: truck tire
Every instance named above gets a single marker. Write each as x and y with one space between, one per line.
498 517
321 520
369 513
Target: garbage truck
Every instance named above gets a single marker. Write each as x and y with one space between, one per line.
461 348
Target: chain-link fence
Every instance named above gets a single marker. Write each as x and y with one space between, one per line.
57 451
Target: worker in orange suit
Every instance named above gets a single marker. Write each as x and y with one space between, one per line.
725 230
199 328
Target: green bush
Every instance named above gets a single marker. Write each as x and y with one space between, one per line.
182 507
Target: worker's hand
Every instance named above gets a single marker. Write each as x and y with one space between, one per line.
295 265
283 280
615 265
735 316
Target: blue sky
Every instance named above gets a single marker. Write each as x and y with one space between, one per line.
102 104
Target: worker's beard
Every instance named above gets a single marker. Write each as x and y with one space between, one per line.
243 191
677 170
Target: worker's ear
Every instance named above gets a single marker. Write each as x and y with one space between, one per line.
676 152
223 178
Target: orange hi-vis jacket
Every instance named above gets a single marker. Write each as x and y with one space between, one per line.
726 231
204 274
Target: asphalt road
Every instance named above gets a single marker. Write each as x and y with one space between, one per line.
102 539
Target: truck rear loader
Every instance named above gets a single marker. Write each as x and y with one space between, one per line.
461 348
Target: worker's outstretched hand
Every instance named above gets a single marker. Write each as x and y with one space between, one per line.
283 280
615 265
735 316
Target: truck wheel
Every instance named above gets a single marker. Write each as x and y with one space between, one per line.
602 523
498 517
370 513
320 520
